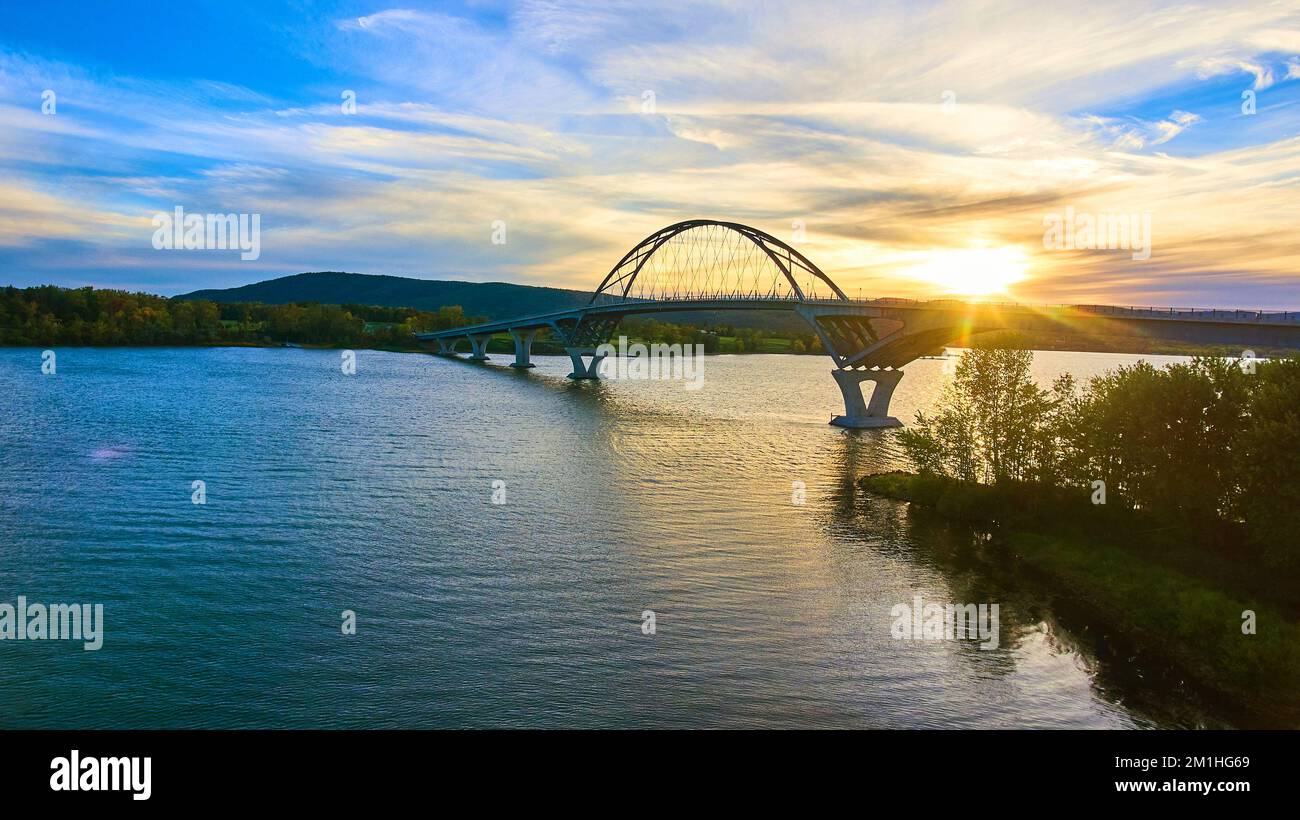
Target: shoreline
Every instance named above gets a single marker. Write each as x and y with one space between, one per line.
1188 621
503 349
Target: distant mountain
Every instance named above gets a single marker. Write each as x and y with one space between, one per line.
495 300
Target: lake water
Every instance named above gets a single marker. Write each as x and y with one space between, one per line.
373 493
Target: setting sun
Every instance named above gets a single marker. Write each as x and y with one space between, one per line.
972 271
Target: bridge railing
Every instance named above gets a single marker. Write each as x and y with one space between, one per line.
1131 311
1126 311
605 299
1195 313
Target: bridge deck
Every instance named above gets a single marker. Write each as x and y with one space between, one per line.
881 308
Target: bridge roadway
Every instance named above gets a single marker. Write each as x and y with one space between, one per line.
872 340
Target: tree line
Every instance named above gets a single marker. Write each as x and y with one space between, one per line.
720 338
48 315
1209 449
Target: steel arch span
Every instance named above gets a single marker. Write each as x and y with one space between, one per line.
712 265
711 259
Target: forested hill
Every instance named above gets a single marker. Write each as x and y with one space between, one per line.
496 300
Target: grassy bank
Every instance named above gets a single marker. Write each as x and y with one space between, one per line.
1176 606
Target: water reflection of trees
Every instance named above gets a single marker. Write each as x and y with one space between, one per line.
975 568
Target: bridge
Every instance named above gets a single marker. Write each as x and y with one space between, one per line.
708 265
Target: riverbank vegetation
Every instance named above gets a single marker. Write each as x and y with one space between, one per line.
1164 497
48 316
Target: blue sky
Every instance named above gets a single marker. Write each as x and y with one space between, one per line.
921 145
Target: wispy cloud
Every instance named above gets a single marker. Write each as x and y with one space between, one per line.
1214 66
889 133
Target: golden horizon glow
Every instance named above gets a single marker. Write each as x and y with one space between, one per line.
972 271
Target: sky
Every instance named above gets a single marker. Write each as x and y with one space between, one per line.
908 149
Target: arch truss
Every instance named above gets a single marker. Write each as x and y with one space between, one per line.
704 259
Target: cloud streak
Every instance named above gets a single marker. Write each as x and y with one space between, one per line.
890 133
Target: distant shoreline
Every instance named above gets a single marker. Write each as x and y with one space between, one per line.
499 345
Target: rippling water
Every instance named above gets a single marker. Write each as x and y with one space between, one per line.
373 492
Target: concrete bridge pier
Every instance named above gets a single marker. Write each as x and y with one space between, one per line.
523 346
447 347
480 343
857 412
585 371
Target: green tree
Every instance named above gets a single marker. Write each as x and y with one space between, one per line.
992 423
1162 439
1268 463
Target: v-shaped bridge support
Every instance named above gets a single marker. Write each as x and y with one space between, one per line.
851 340
858 413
